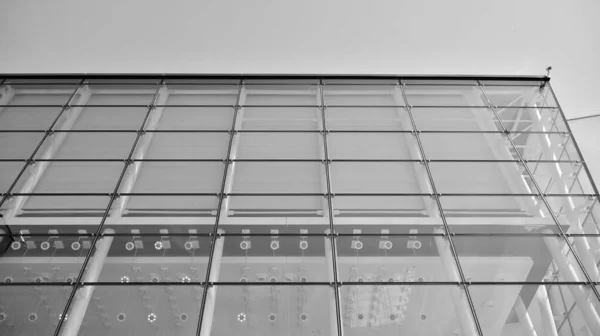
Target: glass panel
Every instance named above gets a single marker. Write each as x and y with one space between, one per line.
430 81
497 214
400 310
543 309
174 177
480 178
281 95
281 81
572 210
28 118
196 118
405 209
561 177
367 119
122 94
155 258
358 81
523 82
465 146
300 226
36 259
280 146
275 206
144 310
172 206
110 118
525 258
280 118
8 174
390 258
93 146
79 177
364 146
187 145
64 205
531 119
272 310
19 146
363 95
545 146
278 177
275 259
374 177
438 95
517 96
32 310
202 95
454 119
41 99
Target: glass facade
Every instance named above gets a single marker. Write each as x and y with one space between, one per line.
293 205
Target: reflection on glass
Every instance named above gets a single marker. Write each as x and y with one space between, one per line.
19 146
27 118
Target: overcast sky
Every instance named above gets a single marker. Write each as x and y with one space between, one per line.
311 36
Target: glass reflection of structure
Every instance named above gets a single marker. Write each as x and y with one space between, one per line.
297 205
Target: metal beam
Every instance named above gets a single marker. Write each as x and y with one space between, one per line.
6 96
140 153
233 151
55 142
547 318
524 317
211 291
333 330
73 320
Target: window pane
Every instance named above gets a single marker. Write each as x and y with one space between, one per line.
271 309
389 259
79 177
27 118
455 119
561 178
8 174
280 118
93 146
275 206
363 95
281 95
40 99
157 310
115 94
65 205
347 207
278 177
184 206
48 258
19 145
20 313
517 96
156 259
438 95
174 177
187 145
481 178
374 177
414 309
367 119
466 146
275 259
202 95
110 118
280 146
196 118
365 146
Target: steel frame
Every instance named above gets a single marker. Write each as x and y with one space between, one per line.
319 81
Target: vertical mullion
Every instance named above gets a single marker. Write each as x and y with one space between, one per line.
542 194
440 209
98 232
332 232
215 234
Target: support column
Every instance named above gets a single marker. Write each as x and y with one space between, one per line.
524 318
56 140
459 298
579 292
141 149
84 294
211 291
331 279
6 95
234 148
549 326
